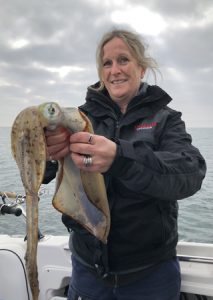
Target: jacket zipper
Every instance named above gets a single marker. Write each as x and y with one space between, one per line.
163 224
116 281
117 127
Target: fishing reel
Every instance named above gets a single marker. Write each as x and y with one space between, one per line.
13 207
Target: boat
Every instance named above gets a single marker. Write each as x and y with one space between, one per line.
54 266
196 262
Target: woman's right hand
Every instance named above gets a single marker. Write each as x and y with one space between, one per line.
57 142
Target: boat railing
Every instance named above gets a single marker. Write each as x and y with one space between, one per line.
194 258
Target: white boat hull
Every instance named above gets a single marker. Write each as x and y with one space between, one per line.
54 268
196 261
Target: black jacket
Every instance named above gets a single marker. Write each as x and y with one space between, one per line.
155 166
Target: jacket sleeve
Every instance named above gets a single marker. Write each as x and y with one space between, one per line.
173 171
50 172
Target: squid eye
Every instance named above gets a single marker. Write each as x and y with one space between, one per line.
51 109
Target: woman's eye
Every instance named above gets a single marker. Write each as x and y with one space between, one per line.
107 63
123 60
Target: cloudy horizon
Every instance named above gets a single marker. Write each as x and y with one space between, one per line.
47 51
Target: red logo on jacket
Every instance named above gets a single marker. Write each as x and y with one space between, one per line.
145 126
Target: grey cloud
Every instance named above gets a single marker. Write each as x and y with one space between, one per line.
177 9
188 48
55 29
66 33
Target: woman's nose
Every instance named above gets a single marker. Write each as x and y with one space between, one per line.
115 68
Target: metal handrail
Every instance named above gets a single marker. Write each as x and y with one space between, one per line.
195 258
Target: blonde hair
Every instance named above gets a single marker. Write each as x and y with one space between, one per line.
136 46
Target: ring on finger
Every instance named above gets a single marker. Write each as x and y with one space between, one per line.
87 161
90 139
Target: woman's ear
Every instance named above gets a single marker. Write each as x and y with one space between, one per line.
142 72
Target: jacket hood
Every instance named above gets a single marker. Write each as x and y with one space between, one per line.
149 96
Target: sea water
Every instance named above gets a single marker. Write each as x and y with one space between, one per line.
195 213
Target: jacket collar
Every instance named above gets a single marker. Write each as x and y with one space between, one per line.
150 99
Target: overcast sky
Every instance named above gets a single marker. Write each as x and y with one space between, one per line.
47 51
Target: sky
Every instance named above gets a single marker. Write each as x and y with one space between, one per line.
47 51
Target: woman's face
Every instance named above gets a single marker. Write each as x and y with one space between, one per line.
121 74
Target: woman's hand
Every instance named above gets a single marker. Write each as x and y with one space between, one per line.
57 142
84 145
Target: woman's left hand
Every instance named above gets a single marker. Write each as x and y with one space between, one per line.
101 150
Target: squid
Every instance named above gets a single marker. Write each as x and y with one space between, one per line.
79 194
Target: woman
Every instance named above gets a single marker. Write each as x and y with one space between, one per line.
141 147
